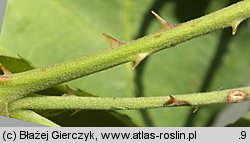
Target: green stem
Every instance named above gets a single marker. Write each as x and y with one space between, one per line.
28 82
98 103
31 116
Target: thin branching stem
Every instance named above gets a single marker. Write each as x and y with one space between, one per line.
102 103
31 116
15 86
42 78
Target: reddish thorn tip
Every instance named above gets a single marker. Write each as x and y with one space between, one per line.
171 100
164 24
114 43
5 70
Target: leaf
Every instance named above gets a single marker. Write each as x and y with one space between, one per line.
92 119
48 32
15 65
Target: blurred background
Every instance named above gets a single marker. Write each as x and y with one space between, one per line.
52 31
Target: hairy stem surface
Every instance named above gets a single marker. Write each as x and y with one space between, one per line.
98 103
42 78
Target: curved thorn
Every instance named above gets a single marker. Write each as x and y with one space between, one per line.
171 99
140 58
196 108
235 27
5 70
164 24
70 90
114 43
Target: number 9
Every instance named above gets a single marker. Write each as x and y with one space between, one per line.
243 134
